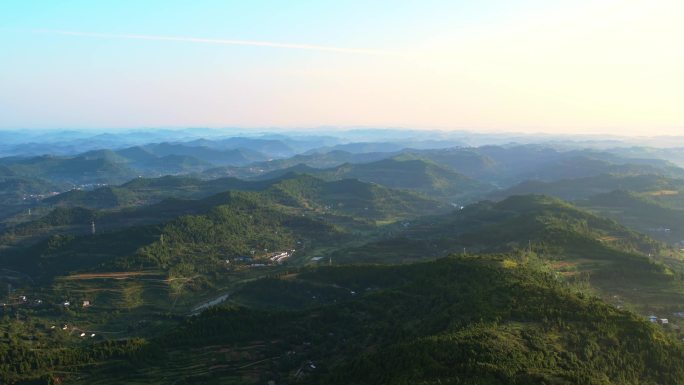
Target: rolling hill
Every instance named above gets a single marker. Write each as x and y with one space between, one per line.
358 272
414 175
639 212
580 247
277 167
217 157
509 165
118 166
350 204
468 320
649 203
582 188
586 166
77 170
143 191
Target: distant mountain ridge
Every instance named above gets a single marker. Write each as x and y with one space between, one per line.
398 172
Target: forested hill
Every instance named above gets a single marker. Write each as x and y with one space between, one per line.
473 320
400 172
201 234
650 204
157 200
622 266
516 223
344 269
144 191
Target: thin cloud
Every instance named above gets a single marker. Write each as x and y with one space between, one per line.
254 43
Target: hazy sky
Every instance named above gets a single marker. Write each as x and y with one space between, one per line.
577 66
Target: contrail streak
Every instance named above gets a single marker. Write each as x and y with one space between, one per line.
308 47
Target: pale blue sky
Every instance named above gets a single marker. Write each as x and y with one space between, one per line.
451 68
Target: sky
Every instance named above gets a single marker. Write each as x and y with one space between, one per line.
553 66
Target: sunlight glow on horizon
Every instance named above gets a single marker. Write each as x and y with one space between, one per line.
556 67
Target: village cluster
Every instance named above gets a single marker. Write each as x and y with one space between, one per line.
270 258
23 300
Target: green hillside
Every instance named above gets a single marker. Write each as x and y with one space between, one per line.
622 266
143 191
402 172
530 314
535 290
582 188
103 197
19 192
474 320
234 156
351 197
639 212
509 165
521 220
410 174
594 164
64 242
79 169
277 167
347 197
650 204
467 161
112 167
165 259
